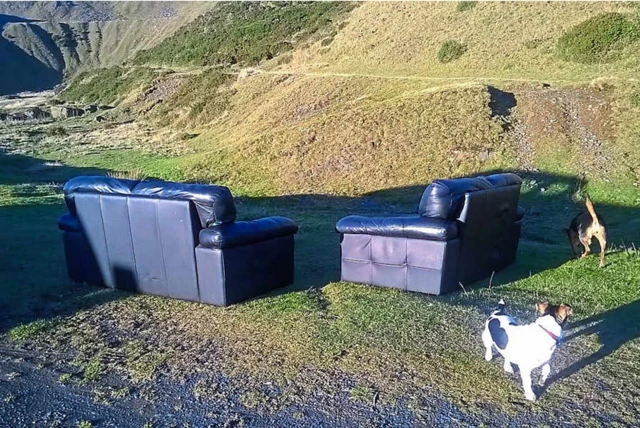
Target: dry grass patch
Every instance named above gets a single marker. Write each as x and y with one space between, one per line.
358 146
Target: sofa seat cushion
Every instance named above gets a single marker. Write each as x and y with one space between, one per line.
407 227
445 198
246 232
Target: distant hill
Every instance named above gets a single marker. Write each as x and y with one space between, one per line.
41 43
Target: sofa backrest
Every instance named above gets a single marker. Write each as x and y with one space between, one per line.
445 198
142 244
484 222
143 235
214 204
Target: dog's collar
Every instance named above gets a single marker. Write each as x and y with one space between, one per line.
551 335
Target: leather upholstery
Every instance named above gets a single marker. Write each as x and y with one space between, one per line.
69 222
214 203
404 227
142 236
246 232
97 184
444 198
466 229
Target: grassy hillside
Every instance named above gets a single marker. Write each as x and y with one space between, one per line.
245 33
372 100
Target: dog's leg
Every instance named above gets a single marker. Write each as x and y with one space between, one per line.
488 344
525 373
602 240
546 369
587 248
507 366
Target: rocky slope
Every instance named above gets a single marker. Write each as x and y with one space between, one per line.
41 43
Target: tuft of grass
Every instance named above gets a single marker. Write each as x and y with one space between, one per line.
463 6
32 329
634 99
93 369
132 174
592 40
85 424
64 378
253 399
143 365
450 51
364 393
205 388
9 398
120 393
55 131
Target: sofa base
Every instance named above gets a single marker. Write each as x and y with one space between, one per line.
408 264
231 275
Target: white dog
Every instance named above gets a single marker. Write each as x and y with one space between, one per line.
527 346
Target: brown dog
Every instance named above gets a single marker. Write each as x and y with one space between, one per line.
583 228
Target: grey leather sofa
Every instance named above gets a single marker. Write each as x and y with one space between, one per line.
465 229
172 239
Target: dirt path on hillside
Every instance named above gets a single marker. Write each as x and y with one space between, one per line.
433 78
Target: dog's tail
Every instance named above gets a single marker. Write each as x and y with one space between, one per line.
591 209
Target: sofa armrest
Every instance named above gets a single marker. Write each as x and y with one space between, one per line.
69 223
415 227
246 232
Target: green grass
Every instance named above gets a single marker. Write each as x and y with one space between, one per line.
107 85
450 51
244 33
31 330
463 6
594 39
64 378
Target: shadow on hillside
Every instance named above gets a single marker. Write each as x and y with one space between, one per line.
33 278
614 328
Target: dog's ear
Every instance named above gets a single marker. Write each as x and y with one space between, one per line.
541 307
565 311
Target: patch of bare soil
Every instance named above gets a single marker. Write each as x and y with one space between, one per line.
580 116
165 87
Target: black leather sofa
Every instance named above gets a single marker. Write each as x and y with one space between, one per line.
465 229
172 239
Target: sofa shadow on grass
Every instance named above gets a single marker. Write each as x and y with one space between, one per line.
33 279
546 198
